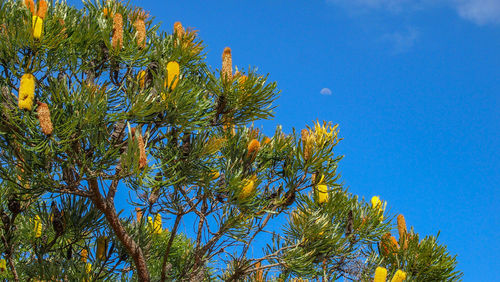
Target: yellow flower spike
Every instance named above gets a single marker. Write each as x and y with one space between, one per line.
88 268
399 276
215 174
380 275
101 248
173 71
150 222
3 265
37 26
42 9
377 205
117 39
322 191
141 77
38 227
30 4
84 255
227 64
157 226
248 188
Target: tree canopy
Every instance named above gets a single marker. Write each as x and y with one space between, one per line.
100 102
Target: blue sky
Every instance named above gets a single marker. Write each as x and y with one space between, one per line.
413 84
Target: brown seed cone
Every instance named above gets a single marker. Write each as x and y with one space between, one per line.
44 118
117 40
227 64
30 4
42 9
142 152
140 26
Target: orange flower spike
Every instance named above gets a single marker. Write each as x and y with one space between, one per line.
84 254
140 27
30 4
179 30
42 9
266 141
227 64
44 118
117 39
402 231
138 213
253 147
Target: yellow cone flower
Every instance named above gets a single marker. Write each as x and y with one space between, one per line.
248 188
37 26
215 174
141 77
3 265
377 205
157 226
88 268
27 91
173 71
322 191
380 274
101 248
38 227
399 276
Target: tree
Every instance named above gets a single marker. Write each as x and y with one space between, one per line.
97 104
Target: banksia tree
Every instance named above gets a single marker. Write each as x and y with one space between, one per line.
143 138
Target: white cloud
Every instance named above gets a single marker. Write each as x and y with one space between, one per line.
325 91
402 41
479 11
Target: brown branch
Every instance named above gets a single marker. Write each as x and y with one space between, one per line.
132 247
169 245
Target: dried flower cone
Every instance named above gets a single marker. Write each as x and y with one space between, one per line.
403 237
140 27
142 152
44 118
117 39
42 9
30 4
227 64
